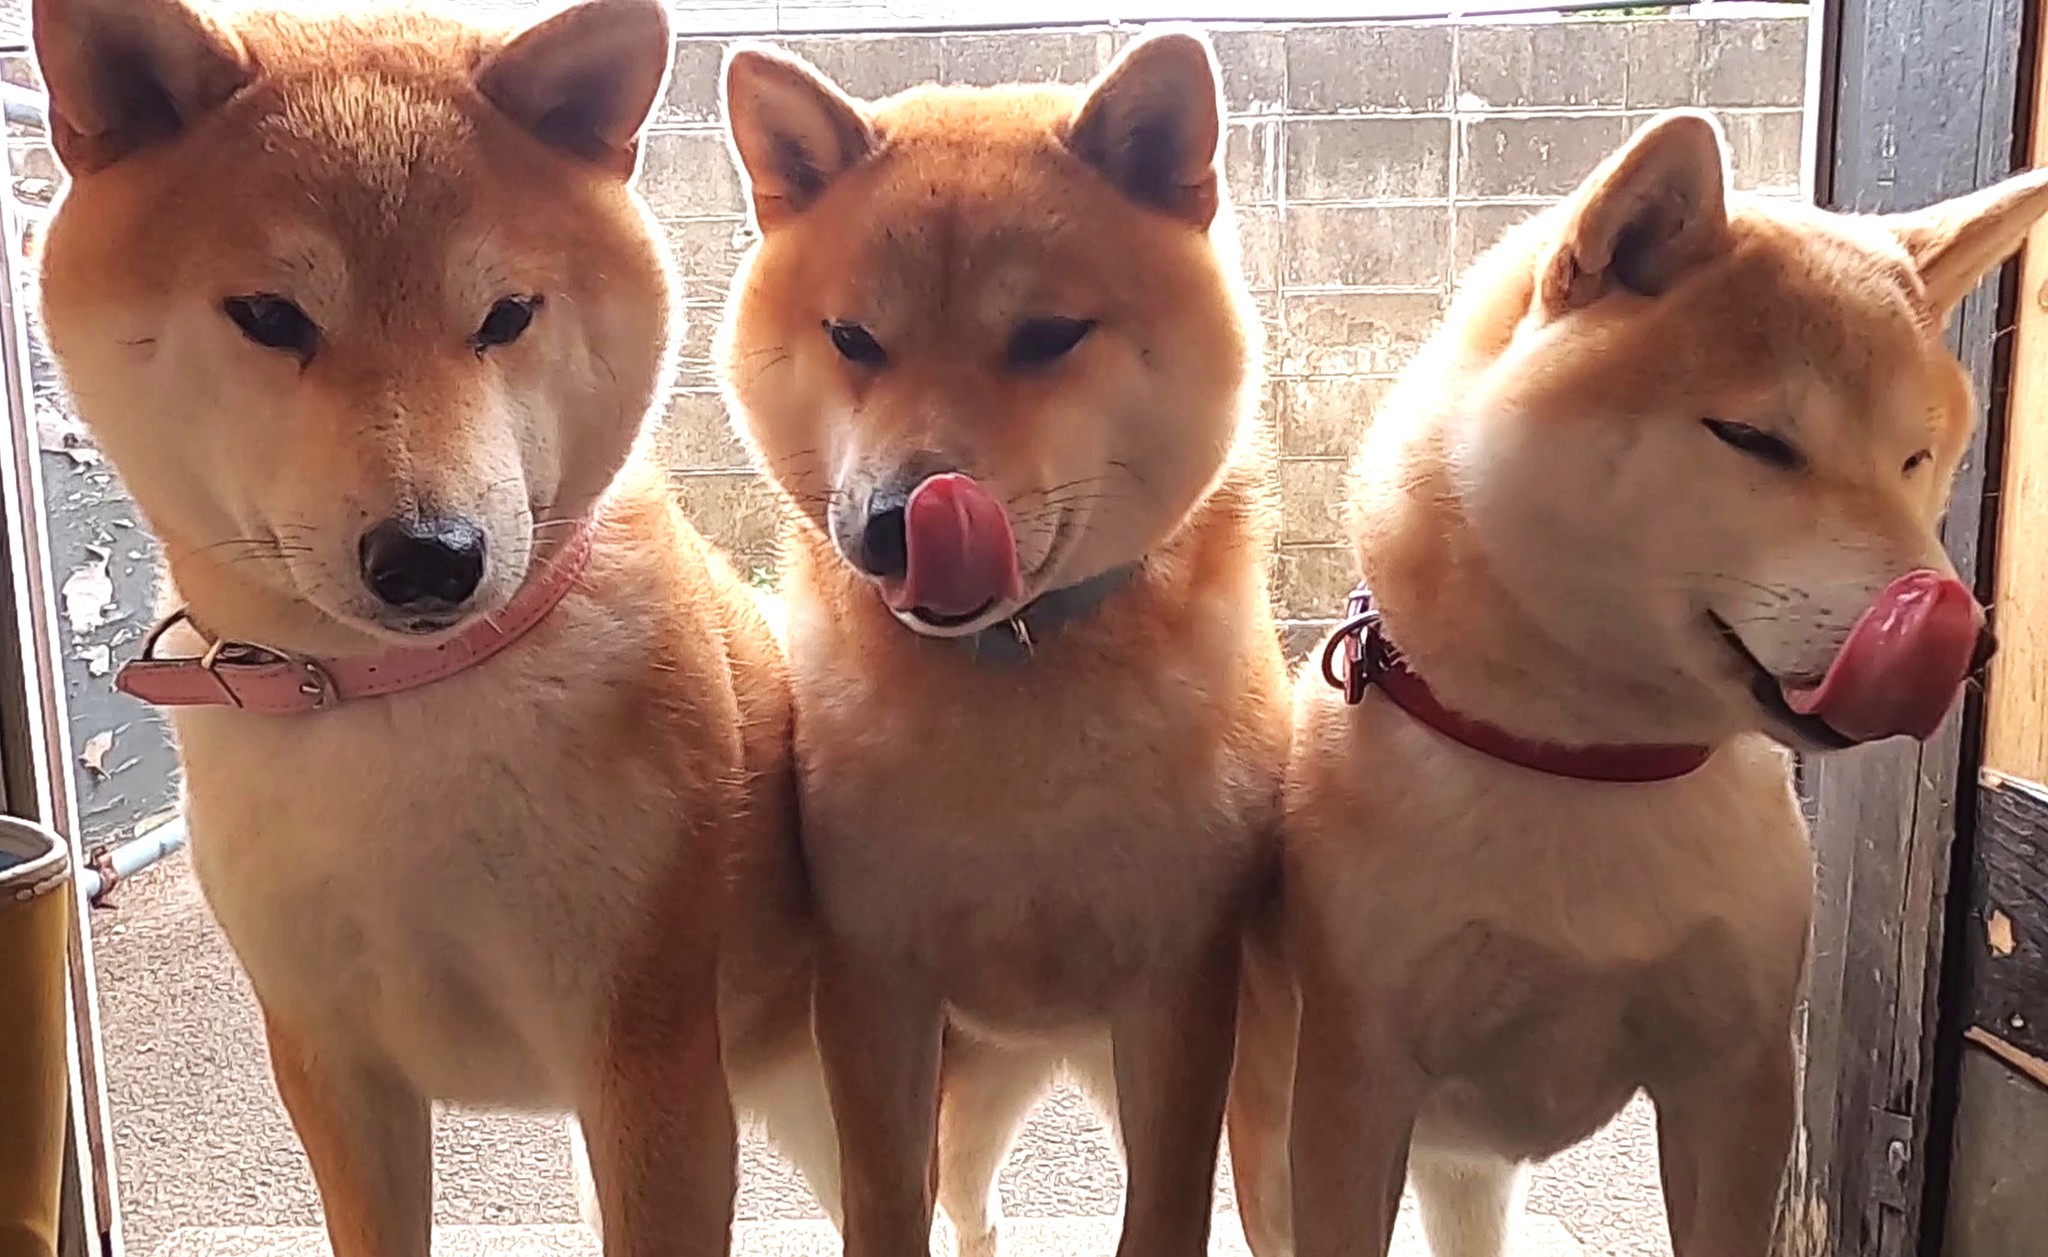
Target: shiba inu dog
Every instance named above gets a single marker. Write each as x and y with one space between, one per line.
477 732
994 347
1658 501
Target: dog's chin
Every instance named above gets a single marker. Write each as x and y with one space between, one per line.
399 629
414 629
423 629
1766 694
928 623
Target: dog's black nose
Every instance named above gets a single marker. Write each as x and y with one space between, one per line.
884 546
1987 646
423 564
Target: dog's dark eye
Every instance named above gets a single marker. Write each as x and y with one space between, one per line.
856 343
507 322
1767 447
1037 342
1913 463
273 322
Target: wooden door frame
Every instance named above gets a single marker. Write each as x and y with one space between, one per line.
1912 101
35 756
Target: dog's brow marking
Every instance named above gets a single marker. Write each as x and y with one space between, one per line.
313 267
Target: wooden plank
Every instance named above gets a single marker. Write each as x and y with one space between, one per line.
1917 102
2016 732
35 759
1997 1206
2007 940
2031 1067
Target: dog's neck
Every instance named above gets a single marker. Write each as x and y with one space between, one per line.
1460 627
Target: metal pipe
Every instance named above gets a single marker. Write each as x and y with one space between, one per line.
115 864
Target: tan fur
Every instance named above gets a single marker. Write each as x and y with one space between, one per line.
1491 961
511 887
1035 862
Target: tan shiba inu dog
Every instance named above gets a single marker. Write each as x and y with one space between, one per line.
994 347
1656 502
476 730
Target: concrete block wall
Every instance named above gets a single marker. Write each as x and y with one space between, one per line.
1369 164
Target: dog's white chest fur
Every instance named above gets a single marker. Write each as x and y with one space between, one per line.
394 875
1547 946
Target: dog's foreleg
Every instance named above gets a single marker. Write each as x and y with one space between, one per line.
656 1110
661 1137
879 1035
1261 1092
1353 1114
986 1094
1172 1063
1723 1139
369 1136
587 1207
1469 1203
788 1097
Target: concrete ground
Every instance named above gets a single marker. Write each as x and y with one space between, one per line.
208 1165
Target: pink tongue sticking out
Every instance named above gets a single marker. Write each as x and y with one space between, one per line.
1901 666
962 556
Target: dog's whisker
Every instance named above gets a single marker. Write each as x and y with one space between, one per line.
766 367
1053 491
782 459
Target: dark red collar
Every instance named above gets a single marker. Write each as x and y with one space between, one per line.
1371 660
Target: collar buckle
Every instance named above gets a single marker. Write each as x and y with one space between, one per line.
223 656
1364 648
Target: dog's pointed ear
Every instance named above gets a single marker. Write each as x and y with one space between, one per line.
1655 209
792 130
585 80
124 75
1153 124
1955 244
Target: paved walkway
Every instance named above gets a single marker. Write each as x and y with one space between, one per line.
1037 1237
209 1167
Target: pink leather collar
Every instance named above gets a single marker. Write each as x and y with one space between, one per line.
274 682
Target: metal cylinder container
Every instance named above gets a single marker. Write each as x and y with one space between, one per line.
35 907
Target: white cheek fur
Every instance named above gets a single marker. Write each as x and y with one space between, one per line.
1604 536
1793 609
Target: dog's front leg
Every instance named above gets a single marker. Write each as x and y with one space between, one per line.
663 1143
987 1093
879 1031
1723 1138
369 1136
1353 1115
1172 1063
1261 1093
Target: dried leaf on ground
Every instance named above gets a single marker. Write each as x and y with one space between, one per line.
87 593
94 754
1998 927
